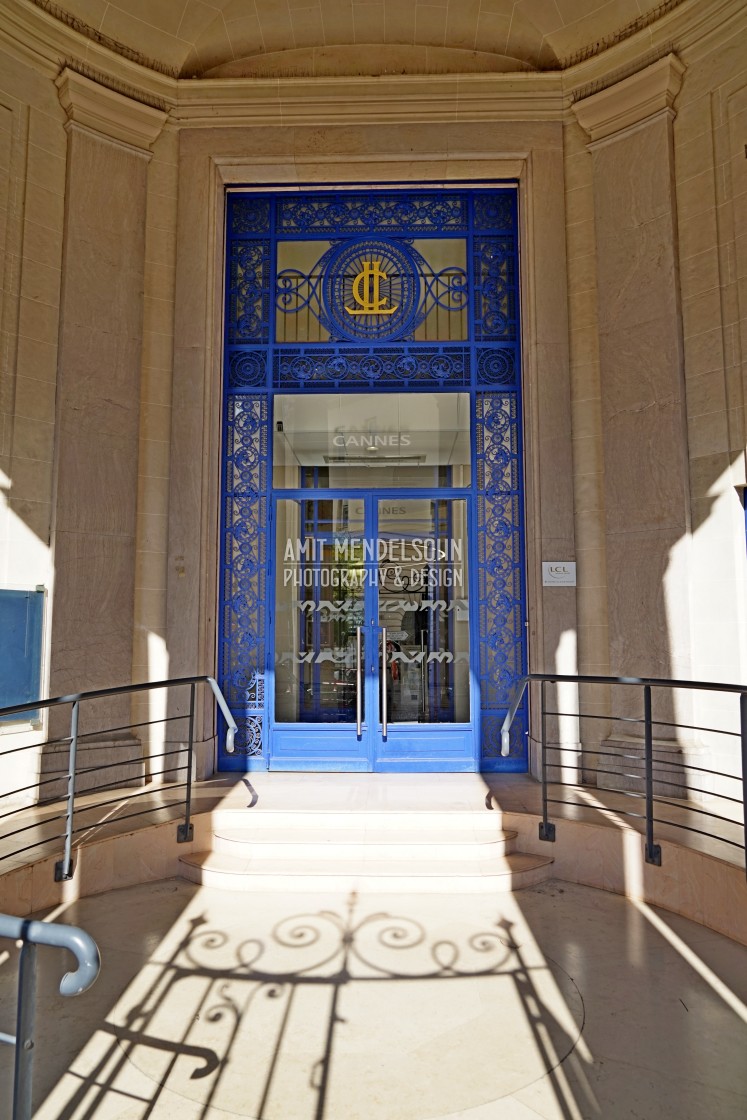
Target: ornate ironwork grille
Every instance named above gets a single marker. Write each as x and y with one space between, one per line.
351 291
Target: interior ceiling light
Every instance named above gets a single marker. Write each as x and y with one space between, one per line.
389 460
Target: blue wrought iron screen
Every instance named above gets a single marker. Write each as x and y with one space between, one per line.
345 290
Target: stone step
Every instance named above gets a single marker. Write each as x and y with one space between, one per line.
365 842
494 873
429 824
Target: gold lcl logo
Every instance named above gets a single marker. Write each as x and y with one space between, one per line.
367 291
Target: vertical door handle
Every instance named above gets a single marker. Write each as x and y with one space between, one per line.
358 693
383 682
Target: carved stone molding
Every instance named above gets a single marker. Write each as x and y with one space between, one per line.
631 101
104 111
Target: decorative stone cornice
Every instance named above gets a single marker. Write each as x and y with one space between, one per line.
111 114
631 101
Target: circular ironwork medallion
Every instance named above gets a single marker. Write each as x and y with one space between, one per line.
371 290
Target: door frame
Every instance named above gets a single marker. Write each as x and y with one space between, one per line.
404 737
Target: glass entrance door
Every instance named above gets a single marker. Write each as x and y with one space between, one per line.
372 633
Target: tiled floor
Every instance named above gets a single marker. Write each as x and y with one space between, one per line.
557 1002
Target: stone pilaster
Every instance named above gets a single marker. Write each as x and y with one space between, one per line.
101 326
642 380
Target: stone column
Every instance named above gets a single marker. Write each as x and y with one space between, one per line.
101 326
642 378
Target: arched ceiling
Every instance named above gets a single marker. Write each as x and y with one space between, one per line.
244 37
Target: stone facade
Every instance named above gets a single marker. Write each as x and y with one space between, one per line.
630 160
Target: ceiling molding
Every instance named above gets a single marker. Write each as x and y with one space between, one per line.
108 113
631 101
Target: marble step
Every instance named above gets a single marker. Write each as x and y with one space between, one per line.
429 824
366 842
491 874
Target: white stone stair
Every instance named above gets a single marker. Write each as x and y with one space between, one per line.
379 851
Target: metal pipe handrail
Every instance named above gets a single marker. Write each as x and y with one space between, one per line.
64 868
32 934
647 685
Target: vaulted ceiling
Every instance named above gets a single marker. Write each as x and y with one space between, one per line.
245 37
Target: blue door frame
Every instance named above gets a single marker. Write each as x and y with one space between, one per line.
486 364
405 747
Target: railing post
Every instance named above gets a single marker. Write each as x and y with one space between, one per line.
24 1056
653 851
743 733
63 869
185 832
546 830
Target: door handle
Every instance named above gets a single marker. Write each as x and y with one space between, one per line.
358 693
383 682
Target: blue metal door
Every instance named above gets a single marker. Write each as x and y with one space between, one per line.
372 633
334 299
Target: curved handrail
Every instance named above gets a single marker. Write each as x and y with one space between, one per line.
230 721
58 936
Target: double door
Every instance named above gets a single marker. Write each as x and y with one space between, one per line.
371 625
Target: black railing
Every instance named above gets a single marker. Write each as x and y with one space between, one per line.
173 765
652 760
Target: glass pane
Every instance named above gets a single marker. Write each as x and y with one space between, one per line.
330 440
319 590
424 605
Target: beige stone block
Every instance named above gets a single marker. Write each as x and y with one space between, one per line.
159 245
277 30
158 350
368 22
160 279
35 515
590 532
47 131
697 237
582 275
37 360
584 343
693 113
692 156
587 418
150 571
585 381
154 458
194 20
582 307
708 434
38 321
704 353
581 238
125 28
579 204
701 313
244 36
156 423
158 315
430 24
706 471
42 244
152 533
695 196
337 18
705 394
44 169
152 608
161 212
588 490
155 387
154 497
308 30
31 479
41 283
33 438
45 206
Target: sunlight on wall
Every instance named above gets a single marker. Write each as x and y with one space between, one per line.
158 698
566 661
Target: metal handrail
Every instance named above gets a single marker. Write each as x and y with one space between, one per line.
647 684
33 934
64 869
